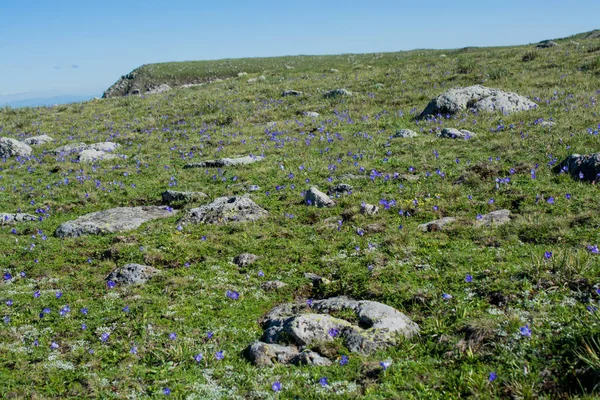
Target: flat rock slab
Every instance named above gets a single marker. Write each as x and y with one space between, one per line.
35 140
114 220
291 327
131 274
581 167
9 219
91 156
224 210
317 198
477 98
13 148
495 218
173 196
337 93
436 225
405 133
451 133
225 162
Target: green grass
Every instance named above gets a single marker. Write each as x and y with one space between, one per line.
462 339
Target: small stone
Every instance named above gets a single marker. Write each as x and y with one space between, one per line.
172 196
90 156
312 114
226 162
9 219
495 218
245 259
405 133
265 354
341 188
253 188
451 133
308 357
316 279
132 274
547 124
436 225
104 146
337 93
13 148
317 198
368 209
273 285
69 148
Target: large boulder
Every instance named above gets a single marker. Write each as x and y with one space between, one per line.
477 98
9 219
317 198
13 148
131 274
34 140
581 167
114 220
291 327
225 162
225 209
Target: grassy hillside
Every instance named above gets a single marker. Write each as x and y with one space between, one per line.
536 271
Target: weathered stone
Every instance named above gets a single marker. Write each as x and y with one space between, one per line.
245 259
317 198
368 209
13 148
104 146
478 98
273 285
308 357
226 162
265 354
114 220
341 188
546 44
9 219
581 167
304 329
405 133
172 196
436 225
291 93
495 218
337 93
451 133
69 148
131 274
90 156
225 209
34 140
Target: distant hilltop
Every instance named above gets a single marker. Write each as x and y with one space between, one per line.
161 77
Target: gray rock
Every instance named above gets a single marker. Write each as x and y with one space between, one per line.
132 274
312 114
172 196
9 219
337 93
226 209
478 98
265 354
495 218
436 225
308 357
90 156
317 198
405 133
581 167
69 148
159 89
291 93
304 329
451 133
13 148
225 162
341 188
273 285
245 259
546 44
114 220
103 146
368 209
34 140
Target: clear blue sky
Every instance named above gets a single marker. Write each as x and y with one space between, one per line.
67 47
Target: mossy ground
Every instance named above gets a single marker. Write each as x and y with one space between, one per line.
463 339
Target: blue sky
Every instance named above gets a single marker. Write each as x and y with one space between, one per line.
67 47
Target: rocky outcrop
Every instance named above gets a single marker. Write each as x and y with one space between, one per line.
314 197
